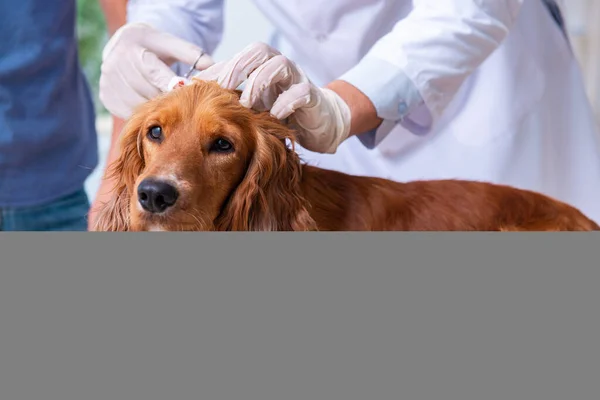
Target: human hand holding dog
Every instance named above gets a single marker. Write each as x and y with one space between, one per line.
135 66
323 117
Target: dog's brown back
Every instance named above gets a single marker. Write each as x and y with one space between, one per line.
343 202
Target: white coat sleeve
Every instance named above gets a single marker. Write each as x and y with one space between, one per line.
197 21
412 73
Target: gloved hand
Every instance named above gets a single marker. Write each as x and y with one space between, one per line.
135 66
273 82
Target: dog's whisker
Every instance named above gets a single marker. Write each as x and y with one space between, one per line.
199 223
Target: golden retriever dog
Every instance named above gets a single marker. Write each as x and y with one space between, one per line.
195 159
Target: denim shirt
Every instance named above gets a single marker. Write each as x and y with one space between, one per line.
47 123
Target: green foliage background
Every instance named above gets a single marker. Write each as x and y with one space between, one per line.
92 36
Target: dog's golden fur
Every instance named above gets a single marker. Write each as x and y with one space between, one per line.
261 185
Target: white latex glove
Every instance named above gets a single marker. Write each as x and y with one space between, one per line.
135 66
273 82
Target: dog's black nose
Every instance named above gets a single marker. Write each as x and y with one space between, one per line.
156 196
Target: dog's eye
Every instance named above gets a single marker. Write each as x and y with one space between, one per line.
222 146
155 133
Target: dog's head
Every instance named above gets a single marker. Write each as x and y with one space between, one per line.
195 159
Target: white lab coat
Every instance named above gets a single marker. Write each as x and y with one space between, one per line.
472 89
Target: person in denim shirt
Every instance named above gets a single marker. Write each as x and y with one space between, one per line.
48 143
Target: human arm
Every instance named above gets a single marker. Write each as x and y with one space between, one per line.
115 12
409 76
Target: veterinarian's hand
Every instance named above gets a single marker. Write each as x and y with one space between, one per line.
135 66
273 82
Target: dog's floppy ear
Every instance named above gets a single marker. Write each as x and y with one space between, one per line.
114 214
269 197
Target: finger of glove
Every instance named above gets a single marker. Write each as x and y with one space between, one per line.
156 72
122 78
170 48
297 96
267 82
132 70
122 102
235 72
212 73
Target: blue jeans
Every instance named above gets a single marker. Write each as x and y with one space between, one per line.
68 213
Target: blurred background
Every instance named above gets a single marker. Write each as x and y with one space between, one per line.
245 24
